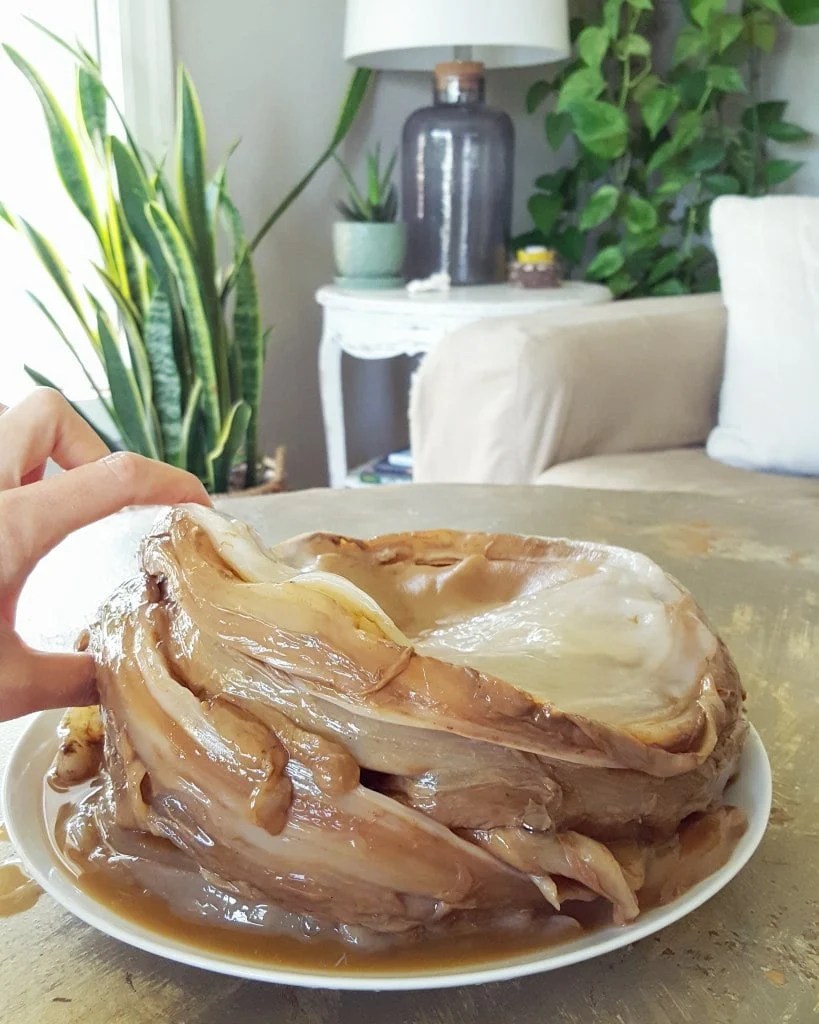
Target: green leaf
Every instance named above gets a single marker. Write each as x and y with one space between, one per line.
229 442
725 79
600 206
772 5
646 84
704 156
692 85
687 129
592 44
545 209
48 256
641 5
802 12
558 127
585 84
354 97
777 171
536 94
44 382
665 265
70 346
167 386
570 244
178 256
551 182
671 185
764 113
690 42
701 11
661 155
760 30
187 457
135 192
247 337
672 286
131 413
601 127
727 28
640 215
93 103
611 17
620 283
784 131
607 262
632 45
657 107
65 147
722 184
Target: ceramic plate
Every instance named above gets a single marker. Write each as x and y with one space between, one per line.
22 799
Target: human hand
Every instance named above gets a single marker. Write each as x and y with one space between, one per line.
36 514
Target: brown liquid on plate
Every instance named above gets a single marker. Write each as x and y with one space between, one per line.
116 885
18 892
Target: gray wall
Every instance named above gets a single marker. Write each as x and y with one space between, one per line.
271 74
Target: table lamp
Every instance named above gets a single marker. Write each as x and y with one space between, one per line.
457 155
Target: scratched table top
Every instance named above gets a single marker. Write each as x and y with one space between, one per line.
749 955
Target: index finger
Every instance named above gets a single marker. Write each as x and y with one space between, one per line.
34 519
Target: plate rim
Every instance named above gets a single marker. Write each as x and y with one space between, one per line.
57 883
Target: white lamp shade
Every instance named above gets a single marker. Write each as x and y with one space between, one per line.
415 35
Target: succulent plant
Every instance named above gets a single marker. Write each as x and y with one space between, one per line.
378 204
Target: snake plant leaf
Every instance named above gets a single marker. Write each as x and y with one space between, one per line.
124 391
135 192
93 104
65 146
167 386
191 453
129 317
247 338
44 382
229 442
6 216
193 187
178 256
47 255
58 330
353 99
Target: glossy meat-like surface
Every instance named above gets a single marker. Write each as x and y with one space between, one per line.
383 734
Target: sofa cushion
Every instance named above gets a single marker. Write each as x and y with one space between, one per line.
682 470
768 255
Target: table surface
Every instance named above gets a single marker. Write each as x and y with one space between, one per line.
749 955
477 300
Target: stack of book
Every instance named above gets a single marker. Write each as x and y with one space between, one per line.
395 468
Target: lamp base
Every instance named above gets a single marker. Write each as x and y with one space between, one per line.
456 172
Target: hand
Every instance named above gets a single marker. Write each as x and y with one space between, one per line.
36 514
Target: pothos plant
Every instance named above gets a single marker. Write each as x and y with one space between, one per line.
655 140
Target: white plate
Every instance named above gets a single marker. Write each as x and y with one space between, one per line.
22 804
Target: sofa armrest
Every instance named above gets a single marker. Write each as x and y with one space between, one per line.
499 401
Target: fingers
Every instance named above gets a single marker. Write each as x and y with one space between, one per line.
34 519
33 681
43 426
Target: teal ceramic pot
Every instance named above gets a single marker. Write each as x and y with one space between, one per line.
366 250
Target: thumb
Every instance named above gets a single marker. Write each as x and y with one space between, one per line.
34 680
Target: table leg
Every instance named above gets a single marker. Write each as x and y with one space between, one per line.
332 403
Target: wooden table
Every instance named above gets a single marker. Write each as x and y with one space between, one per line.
749 955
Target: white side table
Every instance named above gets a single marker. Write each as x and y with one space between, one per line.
384 324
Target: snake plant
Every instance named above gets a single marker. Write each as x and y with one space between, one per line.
179 338
378 203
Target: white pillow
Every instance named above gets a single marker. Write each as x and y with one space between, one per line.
768 255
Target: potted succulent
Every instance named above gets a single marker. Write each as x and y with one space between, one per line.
369 245
178 338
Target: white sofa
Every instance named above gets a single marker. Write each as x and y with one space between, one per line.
618 396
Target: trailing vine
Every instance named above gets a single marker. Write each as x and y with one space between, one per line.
656 141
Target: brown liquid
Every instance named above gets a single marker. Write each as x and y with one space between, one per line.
18 892
474 943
